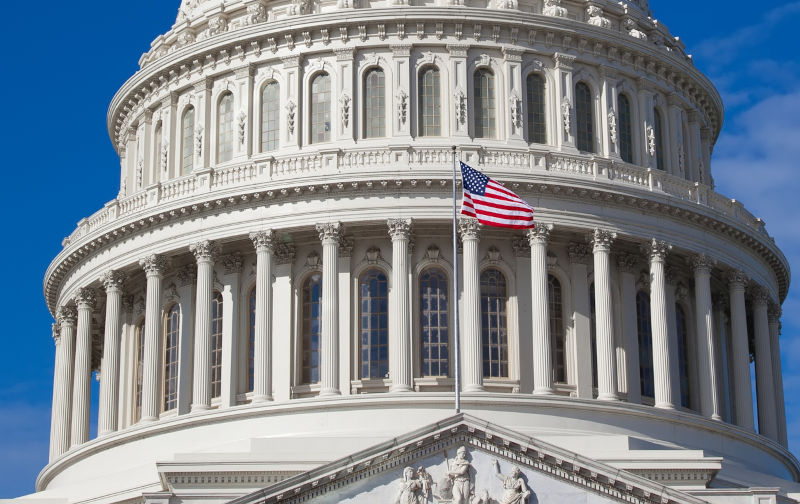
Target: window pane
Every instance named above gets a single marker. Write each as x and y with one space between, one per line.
625 129
225 132
557 334
171 335
321 108
485 120
683 360
494 333
188 141
429 108
536 121
252 340
139 371
216 345
658 132
645 335
374 289
584 115
270 117
312 327
374 104
434 322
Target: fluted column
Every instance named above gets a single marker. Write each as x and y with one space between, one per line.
657 251
740 348
628 362
542 356
330 234
471 344
81 388
765 384
154 266
61 423
708 374
204 252
604 319
264 242
109 375
399 313
774 314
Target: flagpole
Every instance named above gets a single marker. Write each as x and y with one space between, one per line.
454 297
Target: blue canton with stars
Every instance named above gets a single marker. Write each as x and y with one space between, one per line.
474 181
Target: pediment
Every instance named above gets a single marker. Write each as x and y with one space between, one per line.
418 468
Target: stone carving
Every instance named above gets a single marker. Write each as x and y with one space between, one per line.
164 156
737 278
515 491
312 260
67 315
187 275
284 253
299 7
681 158
344 103
633 29
402 106
242 127
520 246
651 141
553 8
703 263
458 471
657 250
612 126
399 228
216 25
329 232
256 13
198 141
139 174
113 280
540 234
373 255
493 255
468 227
185 38
205 250
579 253
290 113
595 17
411 490
433 253
86 298
602 239
460 105
263 240
346 244
566 109
232 263
516 110
154 264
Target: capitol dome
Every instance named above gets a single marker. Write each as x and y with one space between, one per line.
269 301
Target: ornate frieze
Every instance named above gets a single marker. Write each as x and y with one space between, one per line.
594 16
553 8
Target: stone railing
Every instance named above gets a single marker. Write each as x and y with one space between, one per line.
410 161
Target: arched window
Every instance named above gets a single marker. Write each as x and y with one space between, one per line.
558 337
658 133
321 108
157 143
270 116
429 117
625 129
485 110
373 297
171 335
252 341
312 327
374 103
683 357
536 123
225 128
187 142
138 374
645 336
593 333
216 344
434 322
584 117
494 323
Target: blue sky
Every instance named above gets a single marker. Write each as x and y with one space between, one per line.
64 62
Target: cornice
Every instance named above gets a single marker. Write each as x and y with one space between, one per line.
112 224
266 41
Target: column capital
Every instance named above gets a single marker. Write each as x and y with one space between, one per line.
670 275
127 303
760 295
154 264
113 280
187 274
86 298
232 263
736 279
521 246
657 250
602 239
263 241
702 263
56 332
67 315
330 232
204 250
346 244
774 312
284 253
399 229
540 234
626 262
579 253
469 228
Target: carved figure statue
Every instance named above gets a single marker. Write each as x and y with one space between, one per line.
458 469
411 490
515 491
553 8
595 17
426 482
633 29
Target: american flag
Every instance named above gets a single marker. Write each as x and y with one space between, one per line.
491 203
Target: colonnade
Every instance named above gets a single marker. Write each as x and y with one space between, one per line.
71 396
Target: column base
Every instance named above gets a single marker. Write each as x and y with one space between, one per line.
261 399
716 418
608 397
544 391
665 405
146 420
196 408
329 392
473 388
401 388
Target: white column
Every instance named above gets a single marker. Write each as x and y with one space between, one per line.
264 243
187 283
604 317
61 423
743 393
626 264
345 306
109 376
231 280
282 326
765 385
81 388
522 254
707 352
399 309
154 266
542 356
658 318
582 319
330 234
471 345
774 315
204 252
